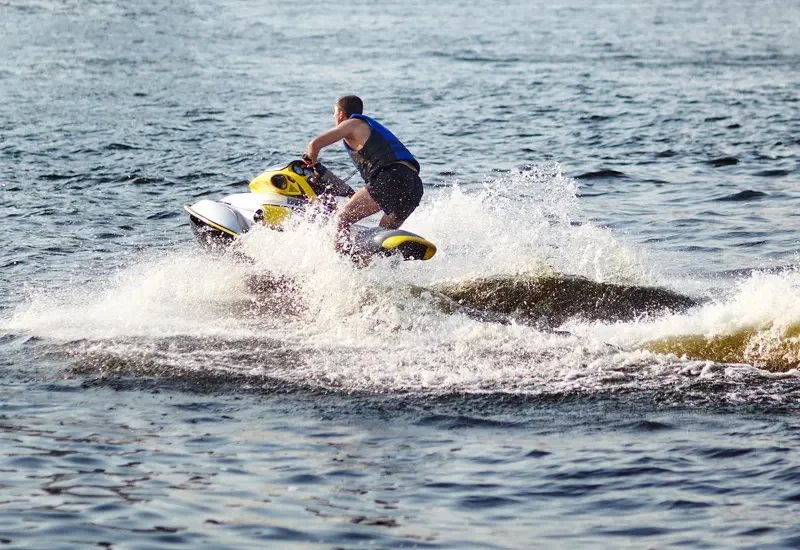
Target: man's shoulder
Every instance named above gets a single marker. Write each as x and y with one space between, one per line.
357 125
353 121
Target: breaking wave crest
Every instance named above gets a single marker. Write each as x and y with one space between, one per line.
757 323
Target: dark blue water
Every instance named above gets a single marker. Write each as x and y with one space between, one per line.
602 354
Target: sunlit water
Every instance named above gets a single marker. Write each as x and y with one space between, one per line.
603 352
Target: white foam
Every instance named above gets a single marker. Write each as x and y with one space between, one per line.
162 295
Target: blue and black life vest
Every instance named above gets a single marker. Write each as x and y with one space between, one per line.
381 149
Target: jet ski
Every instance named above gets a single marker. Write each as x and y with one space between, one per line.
279 194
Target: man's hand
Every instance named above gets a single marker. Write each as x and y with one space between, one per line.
310 158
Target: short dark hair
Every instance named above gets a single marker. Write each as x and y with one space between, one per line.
350 105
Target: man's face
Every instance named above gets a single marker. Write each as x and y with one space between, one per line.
338 115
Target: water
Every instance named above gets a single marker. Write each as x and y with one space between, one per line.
603 353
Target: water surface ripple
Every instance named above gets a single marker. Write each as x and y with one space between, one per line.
603 354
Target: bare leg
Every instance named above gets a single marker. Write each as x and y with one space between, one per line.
388 221
357 208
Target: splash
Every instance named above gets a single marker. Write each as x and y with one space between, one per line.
165 294
523 223
513 265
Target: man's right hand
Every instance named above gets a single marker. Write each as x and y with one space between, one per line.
309 160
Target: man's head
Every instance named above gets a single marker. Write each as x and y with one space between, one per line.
346 106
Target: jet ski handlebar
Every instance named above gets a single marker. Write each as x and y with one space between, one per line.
318 173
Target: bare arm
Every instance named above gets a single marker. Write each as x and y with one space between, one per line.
342 131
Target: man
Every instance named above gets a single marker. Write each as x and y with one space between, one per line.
390 171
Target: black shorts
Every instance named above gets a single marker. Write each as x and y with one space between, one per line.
397 189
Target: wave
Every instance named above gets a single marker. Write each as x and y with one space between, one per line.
756 324
746 195
723 161
601 174
519 300
553 300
